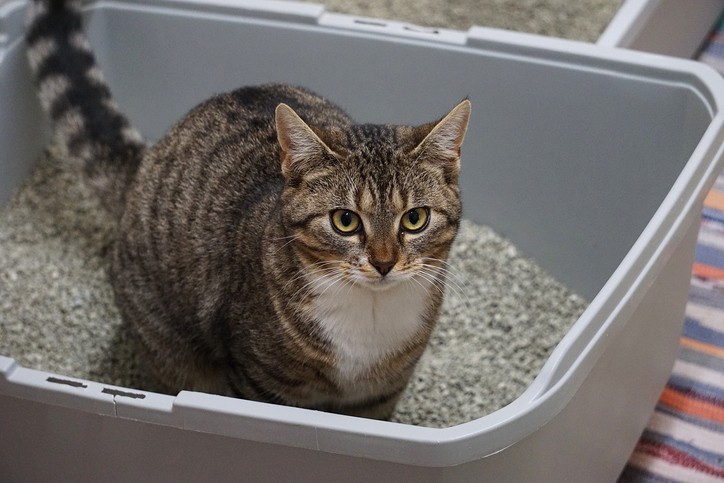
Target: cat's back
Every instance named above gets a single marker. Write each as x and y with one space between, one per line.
221 159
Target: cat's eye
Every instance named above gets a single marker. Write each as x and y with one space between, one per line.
415 220
346 222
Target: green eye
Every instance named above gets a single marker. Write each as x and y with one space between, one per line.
415 220
345 222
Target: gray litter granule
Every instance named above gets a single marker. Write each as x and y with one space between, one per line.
501 318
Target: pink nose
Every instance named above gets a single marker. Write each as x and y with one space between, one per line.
383 266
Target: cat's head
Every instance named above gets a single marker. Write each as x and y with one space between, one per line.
372 204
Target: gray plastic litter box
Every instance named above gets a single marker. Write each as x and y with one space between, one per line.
593 161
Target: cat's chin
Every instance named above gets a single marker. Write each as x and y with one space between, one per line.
381 283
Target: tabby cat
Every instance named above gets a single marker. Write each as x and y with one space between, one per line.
267 247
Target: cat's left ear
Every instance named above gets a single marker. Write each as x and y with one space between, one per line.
301 147
444 140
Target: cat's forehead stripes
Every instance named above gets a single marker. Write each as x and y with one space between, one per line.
376 159
366 200
380 210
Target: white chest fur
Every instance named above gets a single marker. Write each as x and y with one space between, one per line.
364 324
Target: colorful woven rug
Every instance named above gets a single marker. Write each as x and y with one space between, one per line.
684 440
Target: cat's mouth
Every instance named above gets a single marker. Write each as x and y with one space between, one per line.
380 282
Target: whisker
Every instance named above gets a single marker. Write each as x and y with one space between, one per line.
449 283
317 275
457 287
450 270
446 264
279 238
434 282
320 275
449 275
308 286
414 279
305 273
332 282
291 238
347 283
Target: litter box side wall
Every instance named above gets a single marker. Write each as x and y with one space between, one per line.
23 128
57 441
595 432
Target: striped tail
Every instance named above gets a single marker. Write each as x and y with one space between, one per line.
88 127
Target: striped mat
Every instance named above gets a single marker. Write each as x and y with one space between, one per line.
684 440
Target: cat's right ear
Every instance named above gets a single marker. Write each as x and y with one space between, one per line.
300 145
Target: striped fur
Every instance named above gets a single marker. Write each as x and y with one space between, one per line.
227 262
88 126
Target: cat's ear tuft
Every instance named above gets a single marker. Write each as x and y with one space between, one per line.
446 137
298 142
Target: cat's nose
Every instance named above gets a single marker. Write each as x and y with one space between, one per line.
383 266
